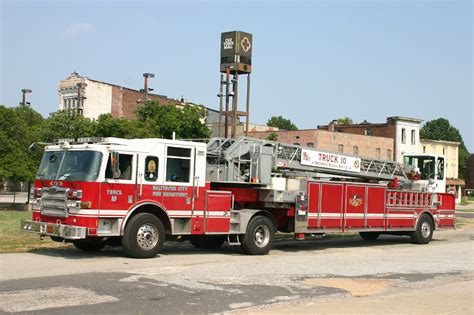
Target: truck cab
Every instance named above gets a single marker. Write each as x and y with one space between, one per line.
427 172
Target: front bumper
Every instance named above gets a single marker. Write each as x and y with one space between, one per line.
68 232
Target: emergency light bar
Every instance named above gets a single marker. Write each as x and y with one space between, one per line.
82 140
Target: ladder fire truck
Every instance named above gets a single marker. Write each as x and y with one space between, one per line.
137 193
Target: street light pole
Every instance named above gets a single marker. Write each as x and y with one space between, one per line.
23 99
147 75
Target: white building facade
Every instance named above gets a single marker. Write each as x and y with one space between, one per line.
407 136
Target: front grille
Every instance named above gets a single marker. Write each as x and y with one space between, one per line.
54 202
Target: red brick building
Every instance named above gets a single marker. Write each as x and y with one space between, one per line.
470 172
404 131
99 97
361 145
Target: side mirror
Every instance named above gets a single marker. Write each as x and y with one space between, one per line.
114 163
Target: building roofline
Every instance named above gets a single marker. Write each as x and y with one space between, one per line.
405 119
362 124
127 88
318 130
440 141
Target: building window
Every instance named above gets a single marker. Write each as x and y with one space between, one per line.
377 153
413 137
404 136
355 150
340 148
296 143
368 132
424 149
297 137
310 145
389 154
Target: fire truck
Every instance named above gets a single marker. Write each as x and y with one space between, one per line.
137 193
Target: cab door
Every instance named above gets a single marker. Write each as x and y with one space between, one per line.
178 188
119 193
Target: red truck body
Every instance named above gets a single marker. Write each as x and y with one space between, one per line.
96 212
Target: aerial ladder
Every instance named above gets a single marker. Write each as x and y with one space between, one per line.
255 161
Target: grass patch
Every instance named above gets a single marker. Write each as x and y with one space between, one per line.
466 210
464 222
12 240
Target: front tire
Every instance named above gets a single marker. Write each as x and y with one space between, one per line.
89 245
369 236
259 238
424 230
144 236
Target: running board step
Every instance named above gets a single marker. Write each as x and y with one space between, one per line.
235 241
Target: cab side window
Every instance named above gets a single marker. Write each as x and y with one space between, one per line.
151 168
125 166
178 165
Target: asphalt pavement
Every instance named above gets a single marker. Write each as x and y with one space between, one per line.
295 277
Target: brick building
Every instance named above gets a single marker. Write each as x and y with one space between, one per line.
102 98
354 144
404 131
470 172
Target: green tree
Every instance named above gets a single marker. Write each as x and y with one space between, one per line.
187 121
345 121
67 124
281 123
107 126
441 129
273 136
19 127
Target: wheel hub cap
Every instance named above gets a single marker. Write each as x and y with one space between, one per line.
425 230
261 236
147 236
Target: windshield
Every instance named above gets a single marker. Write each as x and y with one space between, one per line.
70 165
424 166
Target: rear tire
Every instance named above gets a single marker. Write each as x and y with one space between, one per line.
89 245
259 238
144 236
424 230
207 242
369 236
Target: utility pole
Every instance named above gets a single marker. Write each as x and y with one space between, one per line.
23 99
235 87
227 83
221 95
147 75
247 107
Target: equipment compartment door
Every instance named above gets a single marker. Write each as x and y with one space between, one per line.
330 212
313 204
356 203
375 207
217 212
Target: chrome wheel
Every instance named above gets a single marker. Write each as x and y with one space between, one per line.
425 229
147 236
261 236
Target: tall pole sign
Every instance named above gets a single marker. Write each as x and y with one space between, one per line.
236 59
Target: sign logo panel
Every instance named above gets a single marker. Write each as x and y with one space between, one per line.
330 160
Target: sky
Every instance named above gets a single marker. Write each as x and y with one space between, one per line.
313 61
